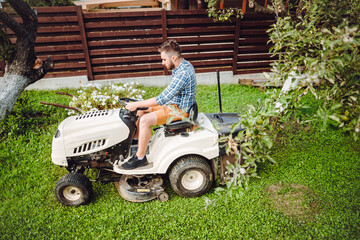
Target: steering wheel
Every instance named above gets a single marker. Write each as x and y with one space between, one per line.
123 102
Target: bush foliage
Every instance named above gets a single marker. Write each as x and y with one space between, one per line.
322 49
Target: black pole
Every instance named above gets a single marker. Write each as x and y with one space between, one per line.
219 90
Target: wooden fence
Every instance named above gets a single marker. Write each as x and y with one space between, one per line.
124 44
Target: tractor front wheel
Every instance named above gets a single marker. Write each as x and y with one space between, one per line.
73 189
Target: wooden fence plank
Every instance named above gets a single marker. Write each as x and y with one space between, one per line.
123 51
126 75
186 12
90 16
64 66
63 57
208 47
127 68
65 74
192 21
253 57
127 33
253 49
121 24
217 55
253 40
212 63
52 19
47 10
57 19
62 48
124 42
57 39
58 29
53 29
201 39
131 59
201 30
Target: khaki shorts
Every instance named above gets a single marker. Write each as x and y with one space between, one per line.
163 113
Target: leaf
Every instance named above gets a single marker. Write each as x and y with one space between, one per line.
339 60
335 118
271 159
267 141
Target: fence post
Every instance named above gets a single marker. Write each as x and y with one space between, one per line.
164 32
236 45
84 42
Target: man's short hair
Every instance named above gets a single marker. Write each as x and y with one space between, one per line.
170 47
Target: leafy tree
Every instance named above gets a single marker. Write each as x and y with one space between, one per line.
319 53
322 48
22 67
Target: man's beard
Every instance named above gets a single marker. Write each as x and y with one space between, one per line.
171 66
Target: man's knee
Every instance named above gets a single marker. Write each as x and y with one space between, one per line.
148 120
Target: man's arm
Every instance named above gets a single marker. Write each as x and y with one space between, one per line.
175 87
145 103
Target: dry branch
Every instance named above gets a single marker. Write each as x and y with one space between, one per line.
60 106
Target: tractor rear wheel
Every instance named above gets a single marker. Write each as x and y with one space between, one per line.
191 176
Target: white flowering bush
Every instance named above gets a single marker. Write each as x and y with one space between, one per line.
95 97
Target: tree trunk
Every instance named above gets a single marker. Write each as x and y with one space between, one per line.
11 87
22 67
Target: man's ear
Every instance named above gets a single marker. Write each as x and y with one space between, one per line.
174 58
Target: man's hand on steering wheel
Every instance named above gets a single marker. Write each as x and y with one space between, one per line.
131 104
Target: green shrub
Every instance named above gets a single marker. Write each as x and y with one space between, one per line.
22 119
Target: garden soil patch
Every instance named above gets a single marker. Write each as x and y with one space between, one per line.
294 200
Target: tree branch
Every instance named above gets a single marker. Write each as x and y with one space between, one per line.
11 23
27 14
66 94
39 73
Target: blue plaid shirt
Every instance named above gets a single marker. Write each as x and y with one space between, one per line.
182 89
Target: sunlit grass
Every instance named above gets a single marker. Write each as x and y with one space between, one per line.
326 163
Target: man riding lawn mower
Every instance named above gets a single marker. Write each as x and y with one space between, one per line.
118 143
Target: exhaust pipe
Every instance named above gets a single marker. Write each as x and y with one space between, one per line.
219 90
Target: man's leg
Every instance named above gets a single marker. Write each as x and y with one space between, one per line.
157 117
145 124
140 113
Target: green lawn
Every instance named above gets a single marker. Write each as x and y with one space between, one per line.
311 193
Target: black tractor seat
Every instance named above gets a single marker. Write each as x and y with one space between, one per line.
181 126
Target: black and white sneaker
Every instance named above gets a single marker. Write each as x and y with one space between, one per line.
134 142
134 162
